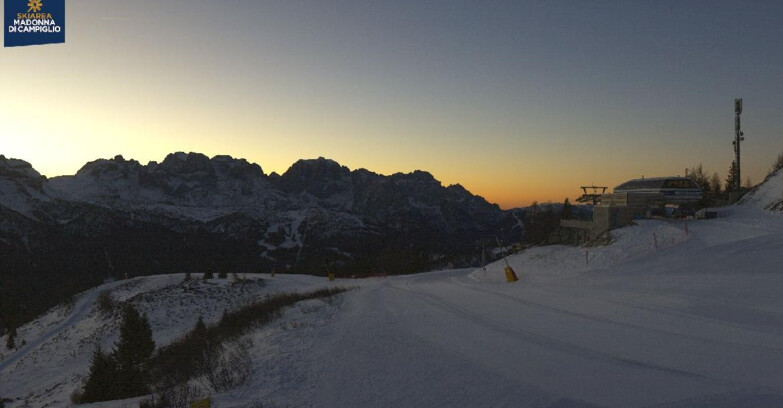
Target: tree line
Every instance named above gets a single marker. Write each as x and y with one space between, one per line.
133 368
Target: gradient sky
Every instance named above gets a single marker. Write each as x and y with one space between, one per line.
517 101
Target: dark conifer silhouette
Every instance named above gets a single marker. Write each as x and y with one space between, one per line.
102 381
133 353
10 342
125 372
731 178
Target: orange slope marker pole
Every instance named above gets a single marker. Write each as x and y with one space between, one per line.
511 276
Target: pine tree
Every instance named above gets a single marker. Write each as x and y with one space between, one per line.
715 183
10 342
533 211
103 379
698 175
133 354
731 179
200 336
200 329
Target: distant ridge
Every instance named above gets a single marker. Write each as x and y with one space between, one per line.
193 213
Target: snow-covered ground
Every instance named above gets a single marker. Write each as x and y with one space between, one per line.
767 195
668 315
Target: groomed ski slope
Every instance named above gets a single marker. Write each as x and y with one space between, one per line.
694 321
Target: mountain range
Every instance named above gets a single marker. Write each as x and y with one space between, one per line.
119 218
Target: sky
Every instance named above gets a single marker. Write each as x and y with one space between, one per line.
518 101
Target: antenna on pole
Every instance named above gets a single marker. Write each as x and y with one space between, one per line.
738 137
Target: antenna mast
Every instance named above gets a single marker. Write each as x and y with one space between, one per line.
738 137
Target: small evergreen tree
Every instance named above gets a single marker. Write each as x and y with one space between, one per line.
222 275
187 276
103 379
200 334
698 175
200 329
10 342
533 213
715 183
133 354
731 179
208 274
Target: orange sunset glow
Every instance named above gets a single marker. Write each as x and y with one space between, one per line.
517 109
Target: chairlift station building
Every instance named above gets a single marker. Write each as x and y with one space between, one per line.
633 199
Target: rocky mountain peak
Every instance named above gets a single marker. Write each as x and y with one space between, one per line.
321 178
111 168
186 163
18 169
21 188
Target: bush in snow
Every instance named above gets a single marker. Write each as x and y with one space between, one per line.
213 352
226 366
177 396
105 303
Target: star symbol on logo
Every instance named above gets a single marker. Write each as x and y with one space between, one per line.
35 5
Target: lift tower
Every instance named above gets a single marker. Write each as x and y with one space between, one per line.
738 137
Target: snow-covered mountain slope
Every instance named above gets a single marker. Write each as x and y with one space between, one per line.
185 185
767 195
21 187
317 198
669 315
57 348
190 212
193 186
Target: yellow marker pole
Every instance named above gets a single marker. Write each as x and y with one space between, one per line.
511 276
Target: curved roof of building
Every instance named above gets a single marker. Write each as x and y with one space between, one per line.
657 183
